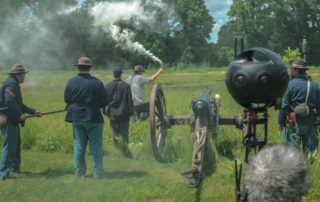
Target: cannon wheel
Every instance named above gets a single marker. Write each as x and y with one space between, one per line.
157 121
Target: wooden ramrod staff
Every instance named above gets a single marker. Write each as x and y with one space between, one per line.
45 113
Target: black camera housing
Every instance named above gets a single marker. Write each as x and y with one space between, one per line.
256 78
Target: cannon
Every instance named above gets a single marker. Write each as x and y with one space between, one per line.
256 79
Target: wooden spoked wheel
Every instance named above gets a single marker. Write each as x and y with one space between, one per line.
158 121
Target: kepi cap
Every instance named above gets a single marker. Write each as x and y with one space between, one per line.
117 70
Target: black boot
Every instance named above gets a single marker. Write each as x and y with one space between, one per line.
194 179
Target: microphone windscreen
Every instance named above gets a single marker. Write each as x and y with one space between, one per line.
277 173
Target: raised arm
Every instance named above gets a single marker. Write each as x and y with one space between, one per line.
153 77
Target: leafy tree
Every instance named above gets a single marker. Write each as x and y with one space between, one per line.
226 36
250 18
196 25
278 24
224 48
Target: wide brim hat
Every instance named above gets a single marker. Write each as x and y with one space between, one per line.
138 68
83 61
17 69
295 66
298 64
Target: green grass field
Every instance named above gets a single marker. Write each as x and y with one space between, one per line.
47 173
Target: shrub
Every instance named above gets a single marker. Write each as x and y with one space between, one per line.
290 54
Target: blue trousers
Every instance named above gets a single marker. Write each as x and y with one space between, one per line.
84 132
302 135
11 150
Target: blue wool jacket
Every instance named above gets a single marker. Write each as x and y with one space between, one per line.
12 99
85 96
296 93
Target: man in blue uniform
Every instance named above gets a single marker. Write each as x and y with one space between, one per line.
301 104
13 107
120 107
85 96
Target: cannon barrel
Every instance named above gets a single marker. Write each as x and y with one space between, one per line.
201 105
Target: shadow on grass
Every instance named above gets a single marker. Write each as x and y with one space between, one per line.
58 172
125 174
49 173
226 149
210 157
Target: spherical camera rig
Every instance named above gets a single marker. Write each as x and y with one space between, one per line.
256 79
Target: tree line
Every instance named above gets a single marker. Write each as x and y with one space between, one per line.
42 33
277 25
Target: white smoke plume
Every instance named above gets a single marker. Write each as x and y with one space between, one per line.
27 39
107 14
124 40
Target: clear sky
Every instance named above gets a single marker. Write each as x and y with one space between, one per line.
218 9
